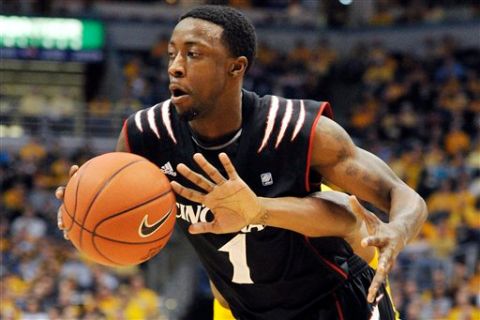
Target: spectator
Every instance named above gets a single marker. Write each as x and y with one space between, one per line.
29 225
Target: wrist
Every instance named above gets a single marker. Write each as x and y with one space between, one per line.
261 213
402 231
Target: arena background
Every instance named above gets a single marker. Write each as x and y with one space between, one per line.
402 76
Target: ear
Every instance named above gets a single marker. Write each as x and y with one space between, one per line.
238 66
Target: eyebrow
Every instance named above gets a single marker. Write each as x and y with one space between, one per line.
191 43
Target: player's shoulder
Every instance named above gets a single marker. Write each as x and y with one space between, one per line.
274 103
155 122
161 109
279 120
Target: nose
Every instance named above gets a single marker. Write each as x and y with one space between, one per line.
177 68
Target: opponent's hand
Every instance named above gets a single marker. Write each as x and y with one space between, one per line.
59 193
233 204
388 238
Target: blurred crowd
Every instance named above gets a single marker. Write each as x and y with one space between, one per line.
43 276
307 13
420 112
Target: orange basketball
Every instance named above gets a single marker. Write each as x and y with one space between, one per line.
119 209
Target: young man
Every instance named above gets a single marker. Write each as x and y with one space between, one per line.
265 255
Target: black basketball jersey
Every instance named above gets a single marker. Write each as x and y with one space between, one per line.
263 272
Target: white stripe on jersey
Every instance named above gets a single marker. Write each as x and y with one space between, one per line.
300 121
376 312
272 114
138 120
166 120
286 119
151 120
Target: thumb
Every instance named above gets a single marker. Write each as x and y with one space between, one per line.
201 227
370 219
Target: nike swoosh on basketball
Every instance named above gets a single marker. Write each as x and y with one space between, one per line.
146 229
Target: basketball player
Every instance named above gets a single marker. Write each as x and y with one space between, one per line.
265 255
234 196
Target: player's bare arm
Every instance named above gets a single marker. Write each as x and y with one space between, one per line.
235 205
359 172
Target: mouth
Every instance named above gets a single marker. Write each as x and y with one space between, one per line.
177 91
178 94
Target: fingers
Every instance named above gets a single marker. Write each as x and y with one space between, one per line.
188 193
73 170
385 260
59 219
374 241
377 282
385 263
227 164
208 168
60 224
60 192
201 227
195 178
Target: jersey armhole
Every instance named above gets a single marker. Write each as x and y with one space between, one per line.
325 109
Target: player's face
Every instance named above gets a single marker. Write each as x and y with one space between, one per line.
198 65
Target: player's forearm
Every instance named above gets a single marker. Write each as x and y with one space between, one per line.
322 214
408 211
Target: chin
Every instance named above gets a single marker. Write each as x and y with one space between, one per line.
188 115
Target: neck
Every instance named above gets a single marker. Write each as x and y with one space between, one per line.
224 118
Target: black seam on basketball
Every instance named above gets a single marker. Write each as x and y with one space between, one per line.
111 216
80 175
113 261
100 191
92 238
82 227
71 217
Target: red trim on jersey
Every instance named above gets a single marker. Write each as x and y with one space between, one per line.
324 108
125 132
339 307
329 263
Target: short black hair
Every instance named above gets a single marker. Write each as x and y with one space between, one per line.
238 33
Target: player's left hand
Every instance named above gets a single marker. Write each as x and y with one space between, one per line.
388 238
233 204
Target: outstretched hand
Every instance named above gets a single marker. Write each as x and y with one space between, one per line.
233 204
388 238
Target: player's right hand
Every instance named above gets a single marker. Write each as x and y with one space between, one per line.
233 204
59 194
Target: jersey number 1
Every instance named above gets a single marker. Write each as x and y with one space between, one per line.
237 254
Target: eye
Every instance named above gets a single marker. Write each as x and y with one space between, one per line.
193 54
171 55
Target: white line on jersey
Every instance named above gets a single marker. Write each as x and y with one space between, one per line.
286 119
138 120
300 121
272 114
151 120
166 120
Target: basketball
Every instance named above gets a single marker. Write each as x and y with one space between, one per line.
119 209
